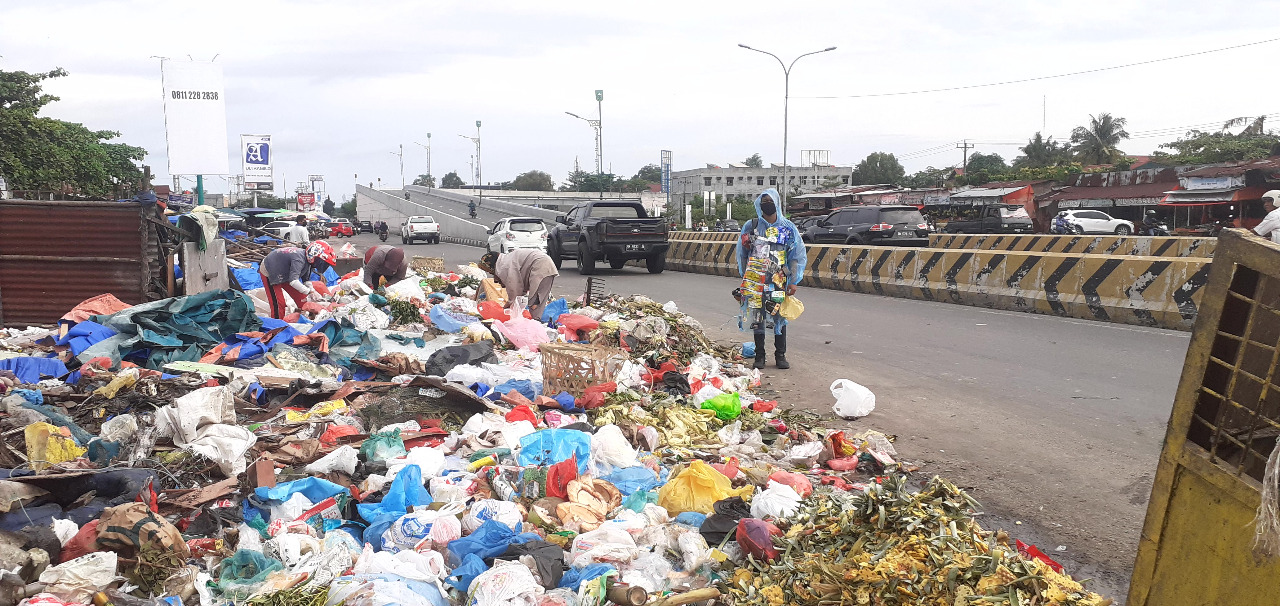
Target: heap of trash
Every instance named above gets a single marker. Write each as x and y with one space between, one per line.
430 443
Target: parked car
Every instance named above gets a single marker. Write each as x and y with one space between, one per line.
617 231
999 219
420 227
728 225
804 223
517 232
874 225
276 228
366 227
338 229
1098 222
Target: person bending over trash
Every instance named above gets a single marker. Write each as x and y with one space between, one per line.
524 271
288 270
771 260
384 262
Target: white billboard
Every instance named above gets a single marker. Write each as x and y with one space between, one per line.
256 161
195 117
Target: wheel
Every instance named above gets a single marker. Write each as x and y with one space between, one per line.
554 252
854 241
404 240
1077 230
617 263
656 263
1123 230
586 260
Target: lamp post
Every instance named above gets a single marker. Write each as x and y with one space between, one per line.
478 175
597 124
786 99
428 148
401 155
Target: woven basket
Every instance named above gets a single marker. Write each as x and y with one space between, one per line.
573 367
422 265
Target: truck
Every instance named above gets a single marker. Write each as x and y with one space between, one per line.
614 231
998 219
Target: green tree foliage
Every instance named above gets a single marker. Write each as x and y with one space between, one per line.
581 180
348 209
39 153
928 178
1199 147
984 168
1097 143
878 167
328 206
451 180
1040 153
651 173
425 181
754 161
264 201
534 180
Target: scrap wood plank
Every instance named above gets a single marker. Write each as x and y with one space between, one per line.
196 498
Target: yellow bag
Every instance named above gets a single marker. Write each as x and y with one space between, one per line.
49 445
696 488
791 308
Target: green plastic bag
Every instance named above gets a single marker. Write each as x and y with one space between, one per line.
383 446
727 406
243 573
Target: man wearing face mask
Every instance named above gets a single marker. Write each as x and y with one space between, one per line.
771 260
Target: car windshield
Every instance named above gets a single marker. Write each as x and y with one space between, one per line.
421 220
529 226
898 217
620 211
1014 213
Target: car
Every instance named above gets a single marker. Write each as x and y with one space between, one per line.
517 232
997 219
617 231
728 225
276 228
1097 222
804 223
366 227
420 227
871 225
338 229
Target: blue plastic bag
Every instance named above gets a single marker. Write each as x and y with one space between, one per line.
405 490
489 540
444 321
748 349
462 576
631 479
527 388
574 577
691 518
550 446
554 310
639 499
315 489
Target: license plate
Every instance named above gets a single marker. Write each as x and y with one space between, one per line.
905 234
634 247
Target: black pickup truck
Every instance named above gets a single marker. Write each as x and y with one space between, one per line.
617 231
999 219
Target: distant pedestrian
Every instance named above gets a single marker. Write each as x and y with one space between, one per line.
298 234
524 271
1271 223
771 260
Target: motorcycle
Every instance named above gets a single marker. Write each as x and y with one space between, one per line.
472 212
382 235
1155 229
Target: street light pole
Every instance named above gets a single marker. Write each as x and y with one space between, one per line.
477 175
401 154
597 124
428 148
786 100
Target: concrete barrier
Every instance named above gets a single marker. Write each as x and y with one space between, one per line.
502 207
1153 246
705 236
377 205
1128 289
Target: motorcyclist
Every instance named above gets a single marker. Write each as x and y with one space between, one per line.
1060 224
471 208
1150 224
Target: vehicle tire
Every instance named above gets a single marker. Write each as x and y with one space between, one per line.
854 241
404 240
586 260
1123 230
656 263
488 248
1077 230
553 251
617 263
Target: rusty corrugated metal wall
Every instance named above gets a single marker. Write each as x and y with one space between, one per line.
53 255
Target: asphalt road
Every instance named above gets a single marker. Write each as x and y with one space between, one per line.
1053 424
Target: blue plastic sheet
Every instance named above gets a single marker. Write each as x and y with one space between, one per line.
249 279
405 490
554 310
444 321
315 489
147 332
84 334
329 276
489 540
574 577
550 446
462 575
631 479
691 518
29 369
525 387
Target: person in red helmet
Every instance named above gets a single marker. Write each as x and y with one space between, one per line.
288 270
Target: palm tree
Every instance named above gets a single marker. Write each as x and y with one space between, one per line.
1040 152
1255 128
1097 142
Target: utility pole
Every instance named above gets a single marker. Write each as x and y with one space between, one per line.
966 146
476 172
600 140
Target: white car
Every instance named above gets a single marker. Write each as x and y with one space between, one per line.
420 227
277 228
518 232
1098 222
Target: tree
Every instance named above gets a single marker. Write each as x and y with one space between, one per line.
451 180
425 181
878 167
328 206
1198 147
928 178
1096 143
39 153
348 209
651 173
754 161
984 168
1040 153
581 180
534 180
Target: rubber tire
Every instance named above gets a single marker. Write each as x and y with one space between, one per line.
854 241
586 260
404 240
617 263
1077 230
553 251
1123 230
656 263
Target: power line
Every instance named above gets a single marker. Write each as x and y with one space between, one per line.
1038 78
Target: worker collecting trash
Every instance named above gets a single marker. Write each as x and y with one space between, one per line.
524 271
771 260
387 262
288 270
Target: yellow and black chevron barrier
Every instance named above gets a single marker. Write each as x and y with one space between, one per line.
1147 246
705 236
1128 289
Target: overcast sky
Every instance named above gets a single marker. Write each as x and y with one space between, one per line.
340 85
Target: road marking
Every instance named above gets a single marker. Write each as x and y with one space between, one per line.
1015 314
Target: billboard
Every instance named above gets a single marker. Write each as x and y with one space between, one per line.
195 117
256 162
665 158
306 202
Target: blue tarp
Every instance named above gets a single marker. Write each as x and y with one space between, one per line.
550 446
29 369
175 329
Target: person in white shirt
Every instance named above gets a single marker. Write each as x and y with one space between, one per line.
298 233
1271 223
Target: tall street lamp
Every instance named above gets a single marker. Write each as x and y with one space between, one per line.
786 98
401 154
596 124
479 173
428 148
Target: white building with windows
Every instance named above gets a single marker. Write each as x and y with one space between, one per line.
742 180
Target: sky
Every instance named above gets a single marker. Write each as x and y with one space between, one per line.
340 85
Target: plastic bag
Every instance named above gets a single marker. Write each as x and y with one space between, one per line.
609 543
446 322
799 482
776 501
554 310
383 446
243 572
696 488
119 428
756 538
488 541
506 584
405 490
410 530
344 459
727 406
78 579
852 400
610 447
554 445
523 333
694 550
791 308
484 510
49 445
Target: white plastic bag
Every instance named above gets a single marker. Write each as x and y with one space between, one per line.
609 543
506 584
852 399
776 501
65 530
610 447
429 460
694 550
77 580
492 509
343 458
119 428
407 532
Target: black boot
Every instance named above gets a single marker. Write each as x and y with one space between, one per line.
759 365
780 349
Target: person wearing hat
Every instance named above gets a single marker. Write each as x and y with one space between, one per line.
524 271
1271 223
384 261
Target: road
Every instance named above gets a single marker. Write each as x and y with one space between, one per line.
484 216
1053 424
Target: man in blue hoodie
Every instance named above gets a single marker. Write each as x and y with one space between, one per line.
771 261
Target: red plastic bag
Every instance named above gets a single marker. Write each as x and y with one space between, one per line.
1031 552
559 476
801 484
653 376
523 412
334 432
756 537
728 468
492 310
84 543
594 395
764 405
573 325
843 463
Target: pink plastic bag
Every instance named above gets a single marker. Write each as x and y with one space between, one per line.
801 484
523 333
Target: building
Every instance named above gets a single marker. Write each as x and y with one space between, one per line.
742 180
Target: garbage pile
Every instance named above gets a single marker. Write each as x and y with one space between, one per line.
430 443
